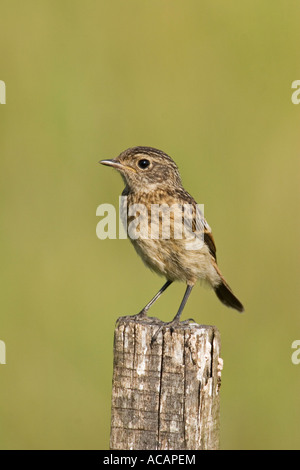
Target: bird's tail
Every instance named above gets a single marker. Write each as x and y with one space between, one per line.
225 294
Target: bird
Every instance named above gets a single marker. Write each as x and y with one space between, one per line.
187 252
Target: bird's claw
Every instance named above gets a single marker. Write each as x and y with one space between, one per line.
172 325
138 316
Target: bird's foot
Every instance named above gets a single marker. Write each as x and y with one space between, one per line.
172 325
138 316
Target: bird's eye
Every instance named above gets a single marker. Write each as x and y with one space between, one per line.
144 163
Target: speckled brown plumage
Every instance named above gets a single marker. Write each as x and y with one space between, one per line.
152 180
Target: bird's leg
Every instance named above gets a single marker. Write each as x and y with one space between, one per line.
176 319
143 313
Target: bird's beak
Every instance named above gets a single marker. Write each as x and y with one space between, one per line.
116 164
112 163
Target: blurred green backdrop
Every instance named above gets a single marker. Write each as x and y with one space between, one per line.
210 84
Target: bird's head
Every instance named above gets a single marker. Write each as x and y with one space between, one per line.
146 169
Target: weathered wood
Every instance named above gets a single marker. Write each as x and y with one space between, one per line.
165 396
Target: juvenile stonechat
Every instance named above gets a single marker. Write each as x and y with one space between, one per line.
152 181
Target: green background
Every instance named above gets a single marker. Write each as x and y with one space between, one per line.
210 84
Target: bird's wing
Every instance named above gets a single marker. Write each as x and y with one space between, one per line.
202 230
194 220
210 242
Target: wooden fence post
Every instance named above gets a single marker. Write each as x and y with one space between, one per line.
165 396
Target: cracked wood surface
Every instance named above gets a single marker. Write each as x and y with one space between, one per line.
165 396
